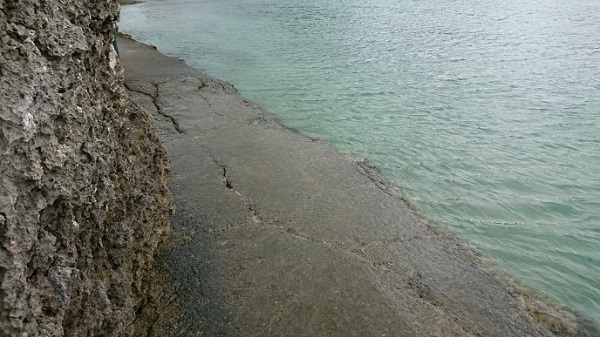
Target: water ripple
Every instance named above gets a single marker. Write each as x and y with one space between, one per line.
486 112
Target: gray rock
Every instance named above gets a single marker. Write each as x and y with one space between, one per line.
84 197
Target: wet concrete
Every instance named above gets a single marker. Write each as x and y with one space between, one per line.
277 234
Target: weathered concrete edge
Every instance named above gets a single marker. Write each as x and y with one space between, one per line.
549 312
554 315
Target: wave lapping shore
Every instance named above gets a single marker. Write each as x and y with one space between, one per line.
278 234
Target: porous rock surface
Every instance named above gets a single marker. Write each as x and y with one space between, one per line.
84 197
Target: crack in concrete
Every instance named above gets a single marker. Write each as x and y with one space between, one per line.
355 249
159 110
200 87
226 179
252 207
371 171
208 102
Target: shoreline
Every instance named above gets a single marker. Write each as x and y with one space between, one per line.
335 235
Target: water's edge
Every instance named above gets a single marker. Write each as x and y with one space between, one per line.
539 306
474 117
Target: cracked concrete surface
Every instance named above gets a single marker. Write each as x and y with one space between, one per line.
277 234
154 96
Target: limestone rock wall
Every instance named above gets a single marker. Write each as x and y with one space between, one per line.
84 197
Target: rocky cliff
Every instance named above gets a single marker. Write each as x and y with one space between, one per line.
84 200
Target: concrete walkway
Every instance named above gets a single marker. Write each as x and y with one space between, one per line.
277 234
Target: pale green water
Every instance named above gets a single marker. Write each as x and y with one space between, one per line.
486 112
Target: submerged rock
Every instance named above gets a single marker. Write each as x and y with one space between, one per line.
84 197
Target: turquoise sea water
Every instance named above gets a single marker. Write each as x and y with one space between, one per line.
486 112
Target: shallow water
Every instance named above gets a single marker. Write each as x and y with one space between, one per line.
487 113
